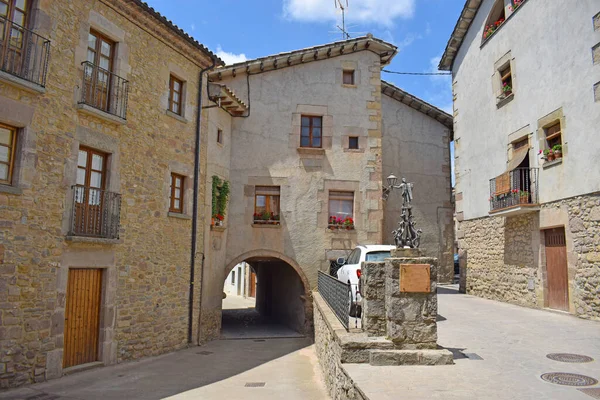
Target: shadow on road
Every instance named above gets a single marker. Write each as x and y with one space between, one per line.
247 323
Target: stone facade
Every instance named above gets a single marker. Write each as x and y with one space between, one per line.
146 272
505 256
503 249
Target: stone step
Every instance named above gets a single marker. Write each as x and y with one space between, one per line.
410 357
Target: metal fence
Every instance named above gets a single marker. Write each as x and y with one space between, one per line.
104 90
23 52
96 213
514 188
335 293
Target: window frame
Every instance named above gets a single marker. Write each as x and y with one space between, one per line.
89 169
505 74
554 135
261 190
219 136
311 126
350 139
338 195
172 198
11 154
172 80
352 74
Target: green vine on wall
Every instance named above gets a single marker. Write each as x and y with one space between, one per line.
220 196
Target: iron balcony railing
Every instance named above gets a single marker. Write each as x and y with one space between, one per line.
23 53
104 90
336 294
514 188
96 213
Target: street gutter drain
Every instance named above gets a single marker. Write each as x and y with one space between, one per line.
568 379
569 358
204 353
255 384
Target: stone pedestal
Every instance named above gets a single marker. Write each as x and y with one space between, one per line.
400 304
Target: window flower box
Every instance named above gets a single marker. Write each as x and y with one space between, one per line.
340 223
266 218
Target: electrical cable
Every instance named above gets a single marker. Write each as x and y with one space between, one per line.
416 73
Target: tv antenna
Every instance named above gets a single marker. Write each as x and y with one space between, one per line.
340 4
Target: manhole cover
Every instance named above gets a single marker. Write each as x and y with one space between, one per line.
568 379
255 384
569 358
204 353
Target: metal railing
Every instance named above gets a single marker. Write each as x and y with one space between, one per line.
104 90
335 293
96 213
23 53
514 188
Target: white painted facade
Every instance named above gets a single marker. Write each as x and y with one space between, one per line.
236 283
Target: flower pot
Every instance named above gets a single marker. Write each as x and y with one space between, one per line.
524 199
550 156
557 155
212 222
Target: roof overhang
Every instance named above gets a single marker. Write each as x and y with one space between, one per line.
458 35
226 99
385 50
420 105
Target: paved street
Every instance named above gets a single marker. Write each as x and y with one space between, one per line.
221 369
513 343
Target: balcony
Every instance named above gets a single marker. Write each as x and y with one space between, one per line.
96 213
514 192
104 91
24 56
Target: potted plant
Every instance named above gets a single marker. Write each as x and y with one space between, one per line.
348 223
523 197
218 218
506 89
276 219
549 154
265 217
557 148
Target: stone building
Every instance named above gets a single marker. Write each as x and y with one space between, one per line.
103 154
529 217
305 136
97 145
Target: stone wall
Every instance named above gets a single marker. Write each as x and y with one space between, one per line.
505 256
329 351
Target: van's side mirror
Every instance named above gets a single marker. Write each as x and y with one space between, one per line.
341 261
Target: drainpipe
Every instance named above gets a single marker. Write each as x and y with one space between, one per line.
195 209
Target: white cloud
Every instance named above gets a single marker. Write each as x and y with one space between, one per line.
381 12
230 58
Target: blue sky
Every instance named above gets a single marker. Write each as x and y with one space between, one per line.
239 30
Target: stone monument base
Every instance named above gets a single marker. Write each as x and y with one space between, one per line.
411 357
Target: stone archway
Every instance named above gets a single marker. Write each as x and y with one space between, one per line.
283 290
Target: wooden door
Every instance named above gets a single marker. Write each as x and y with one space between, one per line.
13 36
97 79
82 316
252 284
556 269
89 198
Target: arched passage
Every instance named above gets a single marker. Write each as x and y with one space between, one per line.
282 304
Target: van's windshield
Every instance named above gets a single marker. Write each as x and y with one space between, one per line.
378 255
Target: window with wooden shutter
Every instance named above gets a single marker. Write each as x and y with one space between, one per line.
266 204
348 77
175 95
311 131
553 135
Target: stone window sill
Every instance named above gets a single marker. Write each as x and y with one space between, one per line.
10 189
177 116
178 215
550 164
21 83
354 150
348 86
502 101
95 240
217 228
311 150
341 231
84 108
267 226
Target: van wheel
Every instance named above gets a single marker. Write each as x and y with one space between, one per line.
352 308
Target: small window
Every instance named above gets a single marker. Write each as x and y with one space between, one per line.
220 136
233 277
495 19
506 80
353 142
341 206
311 131
348 77
175 94
176 196
553 135
8 142
266 204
